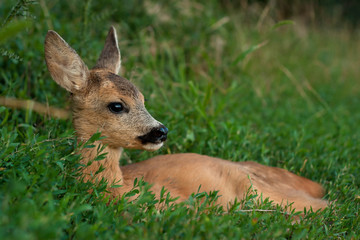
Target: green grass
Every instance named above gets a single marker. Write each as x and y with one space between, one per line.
223 82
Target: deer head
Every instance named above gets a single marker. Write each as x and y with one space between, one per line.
102 100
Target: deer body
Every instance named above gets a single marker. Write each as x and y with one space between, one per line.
103 101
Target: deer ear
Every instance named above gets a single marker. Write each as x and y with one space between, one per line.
64 64
110 57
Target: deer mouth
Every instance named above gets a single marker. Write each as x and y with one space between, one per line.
152 146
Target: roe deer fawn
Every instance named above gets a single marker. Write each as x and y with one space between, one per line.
104 101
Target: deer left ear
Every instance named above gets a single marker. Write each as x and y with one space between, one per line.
64 64
110 57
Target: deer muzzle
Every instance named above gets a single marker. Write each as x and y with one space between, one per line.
156 135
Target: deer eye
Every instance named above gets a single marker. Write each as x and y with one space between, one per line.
116 107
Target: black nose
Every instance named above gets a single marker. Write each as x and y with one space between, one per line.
156 135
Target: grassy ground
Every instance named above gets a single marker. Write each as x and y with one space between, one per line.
226 82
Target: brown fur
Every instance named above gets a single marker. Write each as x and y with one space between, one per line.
181 174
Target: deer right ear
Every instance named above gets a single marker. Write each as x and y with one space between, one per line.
64 64
110 57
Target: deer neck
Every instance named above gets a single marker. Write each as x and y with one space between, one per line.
110 164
